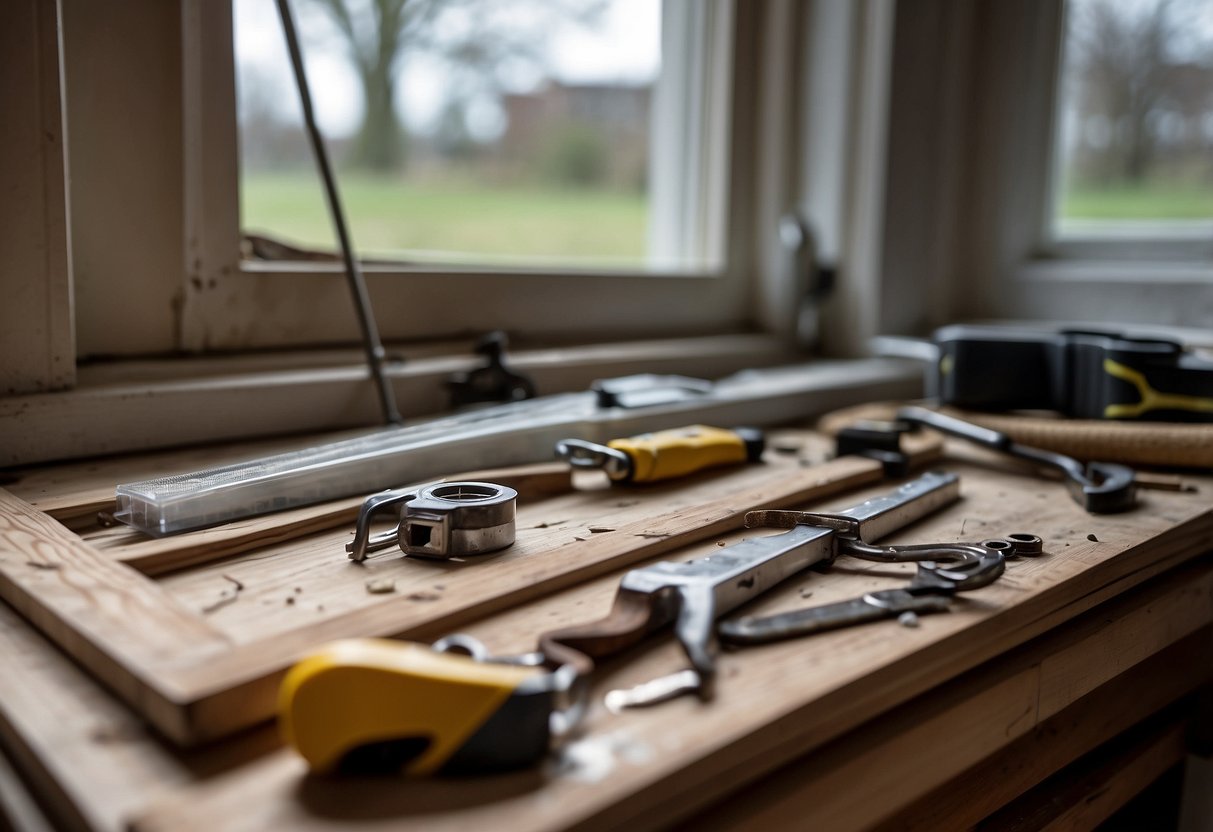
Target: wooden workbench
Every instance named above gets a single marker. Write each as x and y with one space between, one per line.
940 726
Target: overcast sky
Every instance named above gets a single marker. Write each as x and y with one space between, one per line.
625 47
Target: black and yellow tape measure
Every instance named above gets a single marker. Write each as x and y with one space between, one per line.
1081 374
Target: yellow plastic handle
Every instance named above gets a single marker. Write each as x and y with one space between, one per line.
675 453
360 691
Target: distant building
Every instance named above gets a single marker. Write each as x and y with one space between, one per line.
615 118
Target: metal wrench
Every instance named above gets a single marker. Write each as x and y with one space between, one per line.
931 590
1099 487
692 595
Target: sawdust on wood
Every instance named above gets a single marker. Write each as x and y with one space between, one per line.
381 586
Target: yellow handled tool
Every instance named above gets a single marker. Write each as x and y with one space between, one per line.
667 454
377 705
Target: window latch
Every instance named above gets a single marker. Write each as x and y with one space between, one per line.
492 383
813 279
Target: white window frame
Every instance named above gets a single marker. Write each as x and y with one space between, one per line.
154 201
229 303
968 232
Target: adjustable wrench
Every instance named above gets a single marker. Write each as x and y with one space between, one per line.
692 595
1099 487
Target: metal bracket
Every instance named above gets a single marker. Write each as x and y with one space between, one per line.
443 520
492 383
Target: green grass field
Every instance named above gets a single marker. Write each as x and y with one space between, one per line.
1150 201
470 223
389 216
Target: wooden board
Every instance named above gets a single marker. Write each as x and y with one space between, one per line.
1130 698
650 767
967 721
200 653
1085 795
104 764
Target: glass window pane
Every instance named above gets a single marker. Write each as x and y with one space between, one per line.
1136 118
464 131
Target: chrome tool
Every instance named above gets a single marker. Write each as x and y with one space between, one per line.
443 520
1099 487
931 590
691 595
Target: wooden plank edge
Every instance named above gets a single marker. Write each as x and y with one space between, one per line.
1093 789
19 811
974 708
114 637
79 505
1086 724
163 555
160 556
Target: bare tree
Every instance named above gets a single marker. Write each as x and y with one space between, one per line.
1124 62
467 34
374 50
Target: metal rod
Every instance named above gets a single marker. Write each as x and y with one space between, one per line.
375 353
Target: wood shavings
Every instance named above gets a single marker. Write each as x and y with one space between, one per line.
105 734
423 596
225 598
600 529
652 534
41 564
381 586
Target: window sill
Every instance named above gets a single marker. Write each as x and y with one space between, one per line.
1174 294
1126 272
140 405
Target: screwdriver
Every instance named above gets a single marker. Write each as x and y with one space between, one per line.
666 454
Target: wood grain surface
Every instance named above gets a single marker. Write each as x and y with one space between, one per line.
643 768
649 769
200 653
117 623
1058 741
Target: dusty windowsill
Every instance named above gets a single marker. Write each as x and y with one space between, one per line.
140 405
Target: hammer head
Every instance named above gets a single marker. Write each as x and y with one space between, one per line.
1108 488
